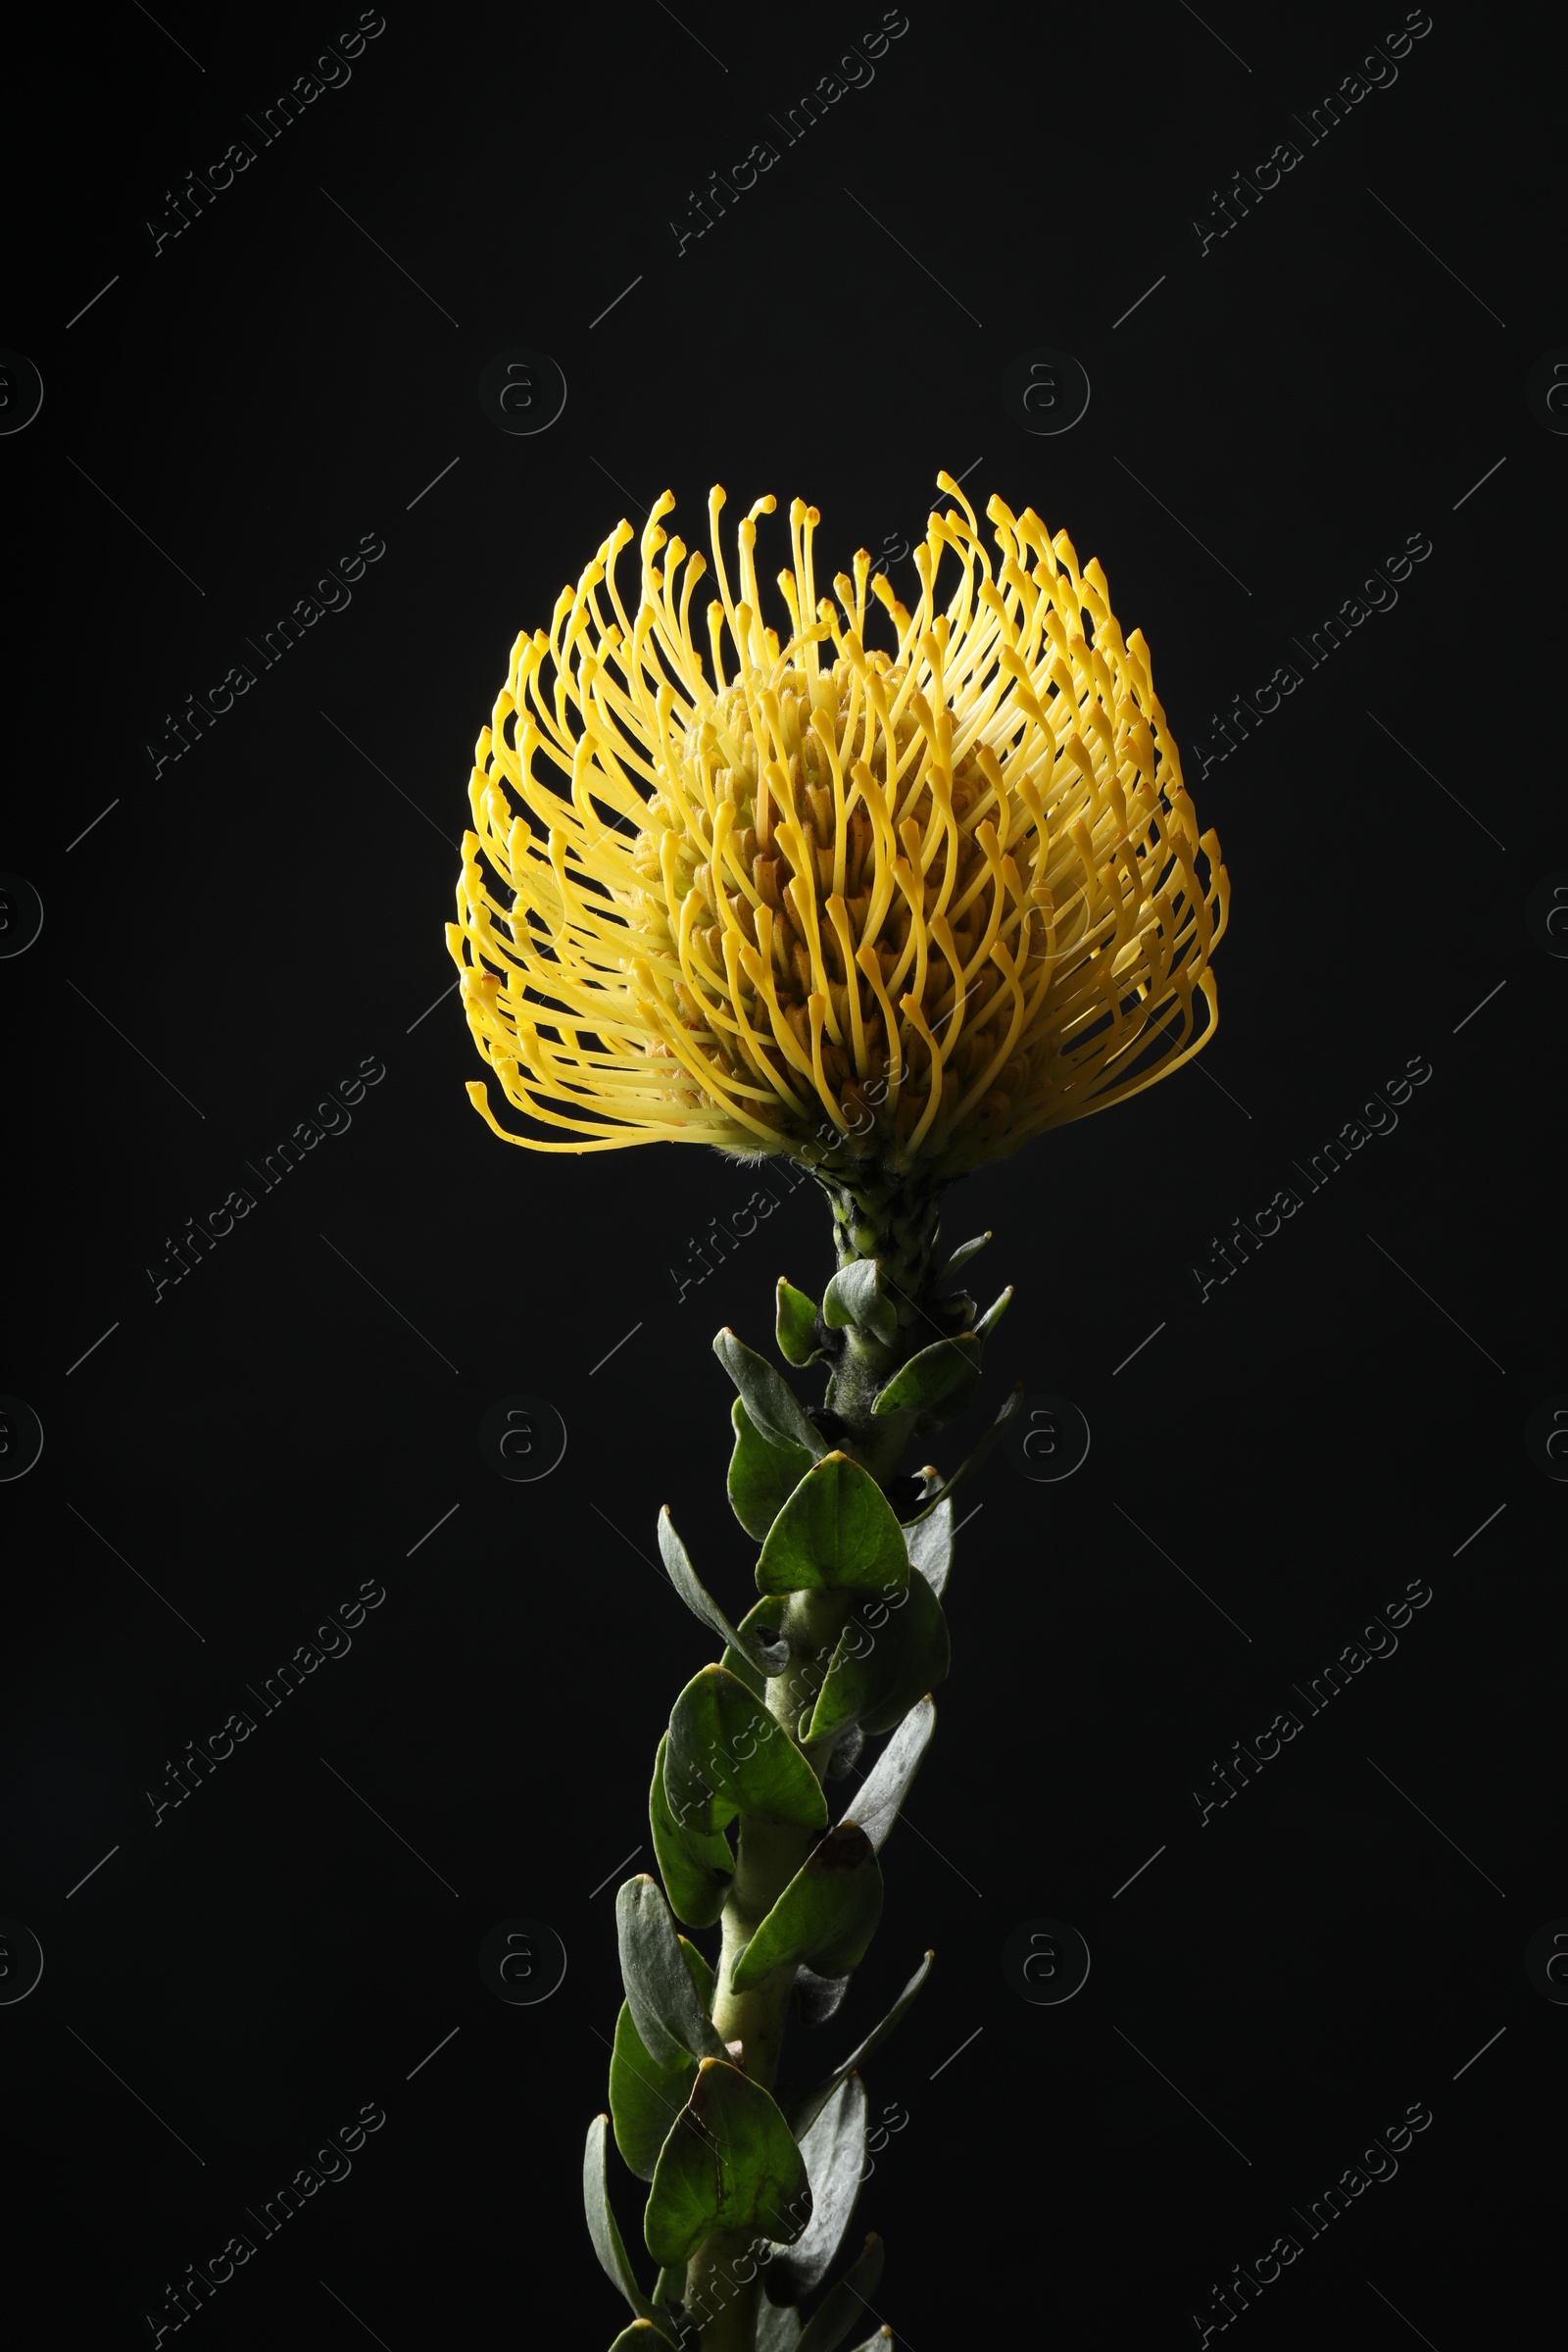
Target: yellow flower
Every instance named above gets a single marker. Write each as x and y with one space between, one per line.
807 897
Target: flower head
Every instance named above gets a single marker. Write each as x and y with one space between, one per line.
797 895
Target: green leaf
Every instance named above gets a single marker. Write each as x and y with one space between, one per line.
641 2336
939 1380
696 1866
962 1256
743 1672
855 1295
845 2305
993 1315
967 1467
834 2149
608 2244
876 1806
670 2019
730 2163
775 1411
762 1476
645 2097
929 1543
701 1974
770 1659
795 1330
826 1915
670 2285
778 2327
889 1654
836 1533
760 1628
727 1754
818 1999
919 1659
804 2112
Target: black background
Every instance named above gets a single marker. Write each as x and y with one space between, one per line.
246 924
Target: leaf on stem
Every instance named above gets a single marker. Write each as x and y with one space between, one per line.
965 1252
855 1295
646 2097
796 1327
826 1915
726 1755
760 1628
890 1654
669 2016
730 2163
778 2327
818 1999
773 1407
993 1315
940 1380
844 2306
696 1866
834 2149
804 2112
671 2285
607 2243
762 1476
836 1533
929 1544
766 1658
887 1784
971 1462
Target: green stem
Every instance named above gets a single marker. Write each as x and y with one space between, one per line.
769 1852
889 1217
714 2283
892 1218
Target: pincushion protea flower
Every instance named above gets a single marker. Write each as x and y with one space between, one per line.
807 897
889 913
